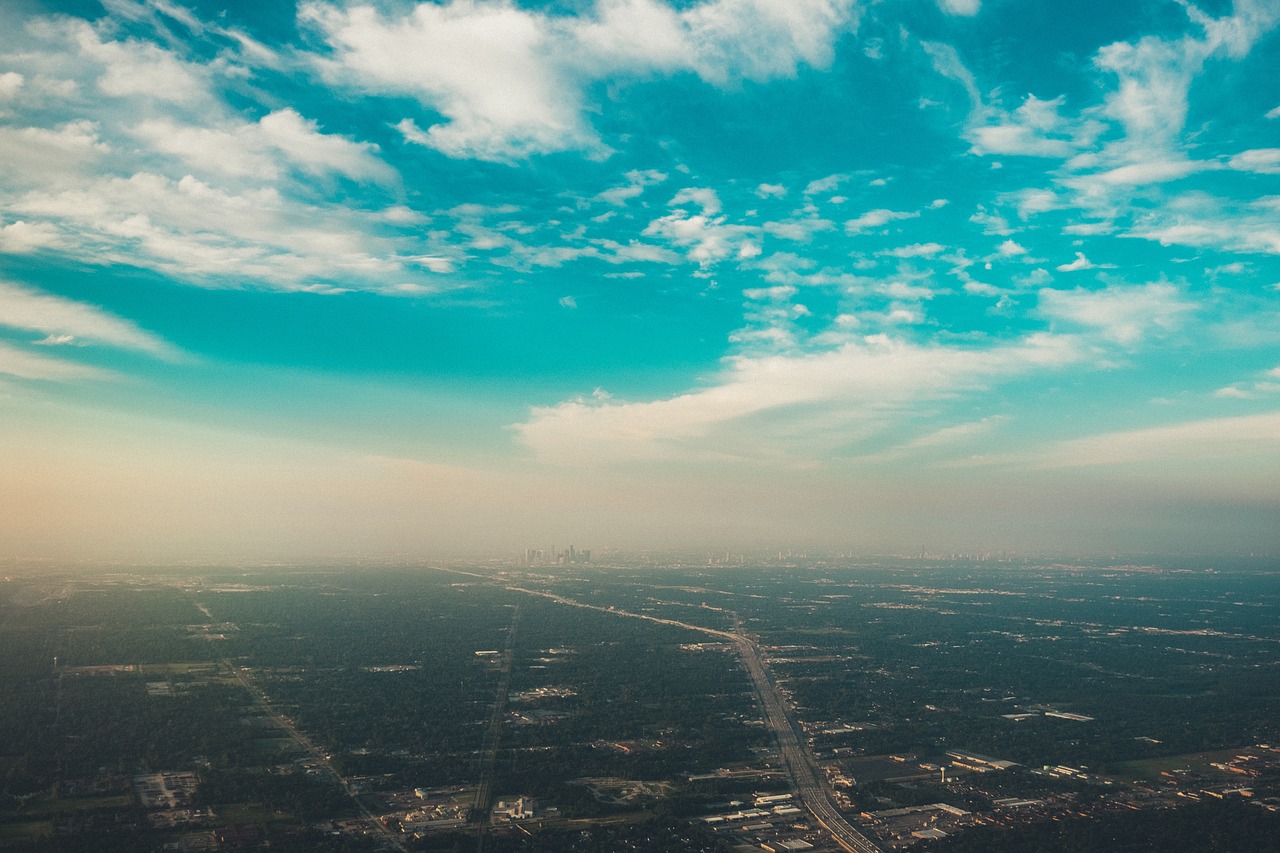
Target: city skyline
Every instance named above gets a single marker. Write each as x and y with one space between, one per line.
405 279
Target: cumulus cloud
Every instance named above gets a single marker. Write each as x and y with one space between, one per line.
22 238
828 184
10 83
511 82
876 219
706 237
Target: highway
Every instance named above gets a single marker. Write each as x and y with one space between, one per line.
481 805
810 784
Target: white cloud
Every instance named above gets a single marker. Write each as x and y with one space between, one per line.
21 238
799 230
946 61
196 231
916 250
133 68
941 439
484 66
1032 201
10 83
158 170
876 219
825 185
1082 263
705 198
24 308
1196 219
707 240
44 156
1215 438
1123 314
511 82
1273 113
1263 160
1011 248
1149 103
706 236
1234 392
1088 229
782 404
260 149
771 191
638 180
26 365
1149 172
568 302
1034 129
967 8
1252 390
779 293
991 223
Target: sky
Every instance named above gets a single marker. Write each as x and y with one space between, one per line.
284 281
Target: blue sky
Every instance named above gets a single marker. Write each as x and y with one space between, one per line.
285 281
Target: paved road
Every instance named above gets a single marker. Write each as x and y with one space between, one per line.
481 805
811 786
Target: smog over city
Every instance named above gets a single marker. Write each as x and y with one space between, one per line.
523 426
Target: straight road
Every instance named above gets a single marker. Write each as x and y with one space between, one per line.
481 805
811 787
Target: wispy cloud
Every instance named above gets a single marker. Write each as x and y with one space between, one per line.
67 321
1123 314
1212 438
22 364
780 406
